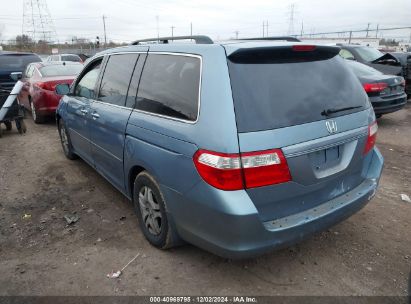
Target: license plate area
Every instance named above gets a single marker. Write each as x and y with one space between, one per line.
326 158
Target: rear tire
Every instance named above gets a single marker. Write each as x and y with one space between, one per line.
65 141
150 208
38 119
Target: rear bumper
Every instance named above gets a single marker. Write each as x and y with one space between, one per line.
385 106
226 223
46 103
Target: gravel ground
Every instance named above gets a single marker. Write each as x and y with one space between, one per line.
368 254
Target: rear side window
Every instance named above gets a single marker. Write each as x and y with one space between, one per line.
116 78
276 95
170 86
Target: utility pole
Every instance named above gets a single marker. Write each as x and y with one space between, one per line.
266 28
158 29
291 20
105 35
302 29
236 34
191 29
263 28
349 40
376 32
172 31
368 28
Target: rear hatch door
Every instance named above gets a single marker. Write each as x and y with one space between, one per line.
308 103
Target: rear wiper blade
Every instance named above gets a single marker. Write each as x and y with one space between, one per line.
332 111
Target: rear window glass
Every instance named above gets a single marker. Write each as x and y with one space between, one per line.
169 86
61 70
74 58
17 62
360 69
270 96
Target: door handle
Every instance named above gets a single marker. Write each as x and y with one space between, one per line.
84 111
95 115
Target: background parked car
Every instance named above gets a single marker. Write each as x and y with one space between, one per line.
40 81
64 57
385 63
14 62
405 59
386 92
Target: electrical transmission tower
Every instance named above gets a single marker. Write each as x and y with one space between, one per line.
37 22
291 20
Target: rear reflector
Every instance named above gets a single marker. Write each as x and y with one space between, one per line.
303 48
372 137
374 87
245 170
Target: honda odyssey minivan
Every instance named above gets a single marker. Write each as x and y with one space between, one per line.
238 147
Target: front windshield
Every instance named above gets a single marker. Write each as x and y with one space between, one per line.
368 53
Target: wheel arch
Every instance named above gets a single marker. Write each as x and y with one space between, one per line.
132 174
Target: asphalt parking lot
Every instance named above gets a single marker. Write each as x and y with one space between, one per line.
368 254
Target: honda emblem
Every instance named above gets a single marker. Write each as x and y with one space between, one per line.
331 126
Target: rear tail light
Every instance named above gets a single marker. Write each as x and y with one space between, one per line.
374 87
372 137
403 83
303 48
245 170
46 86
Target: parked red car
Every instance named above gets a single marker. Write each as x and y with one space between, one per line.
40 80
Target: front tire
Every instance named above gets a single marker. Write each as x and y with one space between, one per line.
65 141
151 211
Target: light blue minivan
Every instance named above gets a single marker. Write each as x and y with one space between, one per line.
238 147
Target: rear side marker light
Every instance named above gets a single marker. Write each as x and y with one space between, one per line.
245 170
303 48
372 137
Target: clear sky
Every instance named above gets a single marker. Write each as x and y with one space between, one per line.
128 20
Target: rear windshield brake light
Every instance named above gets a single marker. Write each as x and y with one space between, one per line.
240 171
303 48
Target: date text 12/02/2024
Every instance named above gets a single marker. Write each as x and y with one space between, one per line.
203 299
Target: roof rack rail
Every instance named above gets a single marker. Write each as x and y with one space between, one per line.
286 38
199 39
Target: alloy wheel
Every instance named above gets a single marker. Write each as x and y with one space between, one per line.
33 112
150 210
64 139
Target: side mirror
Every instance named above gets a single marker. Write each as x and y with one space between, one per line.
62 89
16 76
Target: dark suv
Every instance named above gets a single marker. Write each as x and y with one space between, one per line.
14 62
